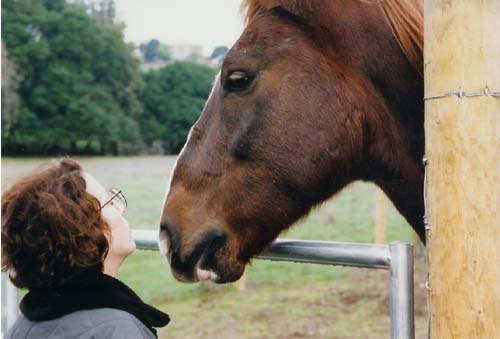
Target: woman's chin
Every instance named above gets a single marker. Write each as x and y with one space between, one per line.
133 247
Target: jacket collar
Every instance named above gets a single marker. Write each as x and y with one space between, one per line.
89 290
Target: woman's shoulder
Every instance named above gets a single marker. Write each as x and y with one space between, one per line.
96 323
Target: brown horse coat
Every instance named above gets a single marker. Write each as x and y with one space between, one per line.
313 95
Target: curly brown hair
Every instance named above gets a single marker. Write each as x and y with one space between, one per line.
52 227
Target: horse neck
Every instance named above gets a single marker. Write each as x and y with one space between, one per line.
398 144
396 131
405 189
398 170
394 155
392 159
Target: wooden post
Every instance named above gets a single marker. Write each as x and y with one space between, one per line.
415 239
380 216
240 284
462 50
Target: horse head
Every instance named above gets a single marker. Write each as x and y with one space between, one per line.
297 112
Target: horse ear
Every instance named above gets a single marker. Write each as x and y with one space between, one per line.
404 17
306 10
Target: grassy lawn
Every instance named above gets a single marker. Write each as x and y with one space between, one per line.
281 300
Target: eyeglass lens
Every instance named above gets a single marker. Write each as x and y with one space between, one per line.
118 198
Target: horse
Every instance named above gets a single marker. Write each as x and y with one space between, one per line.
313 95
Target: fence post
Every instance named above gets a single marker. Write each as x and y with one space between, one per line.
462 141
402 300
380 216
10 309
240 284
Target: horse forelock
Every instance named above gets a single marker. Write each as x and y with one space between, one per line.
405 18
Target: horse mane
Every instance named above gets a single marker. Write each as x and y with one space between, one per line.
405 18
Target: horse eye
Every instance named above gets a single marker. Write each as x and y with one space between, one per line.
237 81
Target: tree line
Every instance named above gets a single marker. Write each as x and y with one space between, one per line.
70 84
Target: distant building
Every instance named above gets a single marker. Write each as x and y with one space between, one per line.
183 52
186 52
151 66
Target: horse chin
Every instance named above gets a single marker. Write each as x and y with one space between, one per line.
227 275
220 271
182 278
218 278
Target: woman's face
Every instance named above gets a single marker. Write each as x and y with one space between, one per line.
121 243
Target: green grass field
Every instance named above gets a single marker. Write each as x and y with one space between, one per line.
281 300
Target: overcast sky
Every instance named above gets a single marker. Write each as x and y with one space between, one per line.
208 23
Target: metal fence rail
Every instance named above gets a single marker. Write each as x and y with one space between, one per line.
9 303
397 257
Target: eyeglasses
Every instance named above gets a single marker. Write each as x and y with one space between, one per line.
117 198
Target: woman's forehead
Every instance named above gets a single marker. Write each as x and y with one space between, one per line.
94 187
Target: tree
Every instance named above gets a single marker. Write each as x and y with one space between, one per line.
155 51
10 97
80 80
103 10
107 10
173 99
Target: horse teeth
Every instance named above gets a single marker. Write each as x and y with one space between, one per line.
203 275
213 276
163 247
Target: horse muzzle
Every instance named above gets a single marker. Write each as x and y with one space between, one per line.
202 261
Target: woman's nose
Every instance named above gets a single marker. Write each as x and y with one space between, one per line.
120 209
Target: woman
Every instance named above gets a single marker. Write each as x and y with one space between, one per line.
64 238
